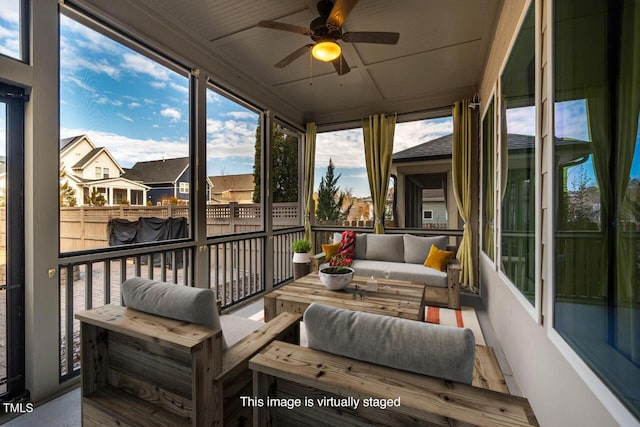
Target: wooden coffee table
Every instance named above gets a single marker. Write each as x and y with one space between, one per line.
397 298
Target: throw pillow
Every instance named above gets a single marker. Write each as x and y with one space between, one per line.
330 250
438 259
347 249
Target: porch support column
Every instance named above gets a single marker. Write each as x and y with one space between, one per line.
197 193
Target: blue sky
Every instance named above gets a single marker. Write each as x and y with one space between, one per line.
9 23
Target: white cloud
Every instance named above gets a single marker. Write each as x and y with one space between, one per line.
158 85
77 82
521 120
10 11
102 100
88 39
414 133
230 138
140 64
242 115
71 60
180 88
134 105
214 97
127 150
117 103
356 175
171 113
123 117
345 148
149 101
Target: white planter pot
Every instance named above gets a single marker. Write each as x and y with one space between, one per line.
301 258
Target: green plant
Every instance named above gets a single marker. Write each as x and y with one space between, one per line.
301 246
337 270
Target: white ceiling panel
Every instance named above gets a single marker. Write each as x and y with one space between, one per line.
441 52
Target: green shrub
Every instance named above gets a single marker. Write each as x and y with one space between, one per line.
301 246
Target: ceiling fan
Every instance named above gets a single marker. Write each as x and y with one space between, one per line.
325 31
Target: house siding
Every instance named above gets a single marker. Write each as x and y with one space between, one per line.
559 395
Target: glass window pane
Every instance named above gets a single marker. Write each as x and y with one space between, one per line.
234 135
422 164
518 147
11 29
342 195
124 127
597 187
488 174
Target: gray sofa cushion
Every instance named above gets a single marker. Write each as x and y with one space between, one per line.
416 249
385 247
401 271
178 302
436 350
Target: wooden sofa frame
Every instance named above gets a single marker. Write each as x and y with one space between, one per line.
142 369
294 372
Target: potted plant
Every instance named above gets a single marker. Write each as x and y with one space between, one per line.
301 258
336 277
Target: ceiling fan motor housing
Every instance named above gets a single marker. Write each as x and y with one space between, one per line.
320 31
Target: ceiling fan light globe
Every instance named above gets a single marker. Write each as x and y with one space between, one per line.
326 51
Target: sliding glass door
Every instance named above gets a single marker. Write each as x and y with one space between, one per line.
11 242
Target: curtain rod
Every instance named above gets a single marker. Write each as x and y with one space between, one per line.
356 122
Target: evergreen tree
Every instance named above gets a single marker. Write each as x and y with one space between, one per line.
329 202
285 166
67 196
97 199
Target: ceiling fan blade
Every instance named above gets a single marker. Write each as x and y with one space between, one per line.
341 66
284 27
293 56
371 37
339 13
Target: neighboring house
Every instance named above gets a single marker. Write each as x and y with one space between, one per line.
165 178
434 208
223 189
85 167
423 179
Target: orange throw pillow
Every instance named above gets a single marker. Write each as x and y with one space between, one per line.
438 259
330 250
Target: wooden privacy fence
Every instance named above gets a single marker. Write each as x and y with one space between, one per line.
84 227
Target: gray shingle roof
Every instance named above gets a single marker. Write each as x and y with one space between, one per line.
66 141
90 155
157 171
441 147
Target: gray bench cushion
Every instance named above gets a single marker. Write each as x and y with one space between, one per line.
401 271
416 249
385 247
436 350
178 302
236 328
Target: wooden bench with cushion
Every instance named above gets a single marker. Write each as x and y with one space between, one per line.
141 368
426 398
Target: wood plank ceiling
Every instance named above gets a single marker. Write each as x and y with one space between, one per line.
439 58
